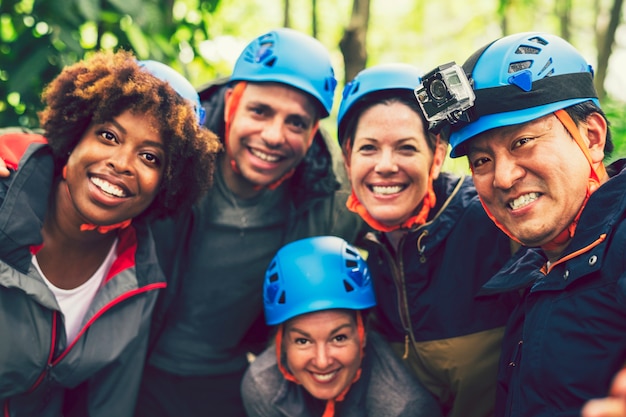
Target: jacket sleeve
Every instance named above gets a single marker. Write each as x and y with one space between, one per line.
260 385
14 142
346 224
255 400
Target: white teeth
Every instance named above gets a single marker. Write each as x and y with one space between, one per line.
324 377
107 187
377 189
523 200
264 156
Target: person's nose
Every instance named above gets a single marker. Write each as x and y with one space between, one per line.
323 357
507 172
386 162
272 133
120 160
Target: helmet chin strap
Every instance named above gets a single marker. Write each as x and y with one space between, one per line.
231 106
229 114
592 184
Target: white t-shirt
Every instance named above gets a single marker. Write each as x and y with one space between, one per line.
74 303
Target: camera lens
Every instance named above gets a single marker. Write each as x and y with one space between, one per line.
438 89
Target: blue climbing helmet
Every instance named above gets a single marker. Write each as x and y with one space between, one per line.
179 83
519 78
289 57
314 274
396 76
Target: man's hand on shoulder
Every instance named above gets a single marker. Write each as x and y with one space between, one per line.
4 171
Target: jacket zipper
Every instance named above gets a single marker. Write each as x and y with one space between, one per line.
513 363
53 342
397 271
397 268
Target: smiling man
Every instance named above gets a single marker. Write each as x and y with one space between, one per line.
275 184
536 138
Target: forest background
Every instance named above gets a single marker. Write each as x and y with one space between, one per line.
202 39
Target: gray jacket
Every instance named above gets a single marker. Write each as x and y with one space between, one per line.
97 374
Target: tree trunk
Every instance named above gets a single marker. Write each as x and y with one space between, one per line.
286 20
314 29
564 14
353 43
606 39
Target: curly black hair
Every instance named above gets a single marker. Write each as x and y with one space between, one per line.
105 85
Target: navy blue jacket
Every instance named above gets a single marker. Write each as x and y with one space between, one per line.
440 269
567 338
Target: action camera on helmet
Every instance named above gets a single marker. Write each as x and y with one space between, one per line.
445 95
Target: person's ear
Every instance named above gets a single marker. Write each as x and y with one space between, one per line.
346 154
594 131
314 129
439 157
227 94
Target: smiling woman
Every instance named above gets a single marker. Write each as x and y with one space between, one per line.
78 271
427 250
324 362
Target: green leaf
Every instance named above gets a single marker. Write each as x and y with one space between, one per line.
28 72
131 7
138 41
89 9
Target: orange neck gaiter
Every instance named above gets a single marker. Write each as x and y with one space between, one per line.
428 202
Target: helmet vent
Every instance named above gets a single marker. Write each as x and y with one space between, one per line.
538 40
519 66
328 84
350 264
347 286
282 299
351 88
548 64
527 50
273 277
270 62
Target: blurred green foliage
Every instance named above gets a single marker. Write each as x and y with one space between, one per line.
39 37
616 113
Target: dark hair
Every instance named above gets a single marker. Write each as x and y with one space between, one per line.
385 97
580 112
107 84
